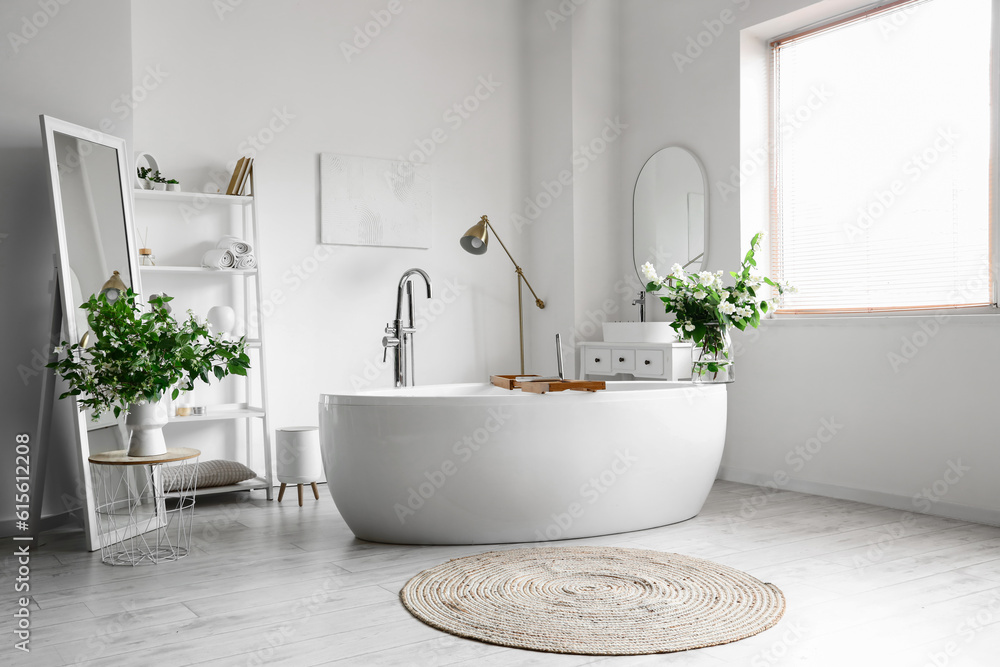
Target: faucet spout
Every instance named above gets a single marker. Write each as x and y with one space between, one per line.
399 294
399 333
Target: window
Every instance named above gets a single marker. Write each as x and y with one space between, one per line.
881 176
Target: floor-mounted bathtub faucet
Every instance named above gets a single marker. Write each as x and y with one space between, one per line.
399 333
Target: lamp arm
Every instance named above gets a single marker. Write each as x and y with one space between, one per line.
520 272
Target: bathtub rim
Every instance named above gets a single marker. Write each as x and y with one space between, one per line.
617 390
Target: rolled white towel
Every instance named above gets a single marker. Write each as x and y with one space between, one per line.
237 245
219 258
246 262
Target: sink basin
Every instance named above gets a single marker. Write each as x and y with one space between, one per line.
638 332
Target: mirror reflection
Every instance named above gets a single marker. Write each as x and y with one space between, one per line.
669 217
94 218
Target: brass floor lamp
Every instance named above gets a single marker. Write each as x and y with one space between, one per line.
475 241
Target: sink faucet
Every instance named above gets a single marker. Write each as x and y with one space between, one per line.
641 302
399 332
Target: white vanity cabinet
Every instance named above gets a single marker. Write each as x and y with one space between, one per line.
649 361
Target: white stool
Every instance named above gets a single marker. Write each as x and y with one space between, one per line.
299 460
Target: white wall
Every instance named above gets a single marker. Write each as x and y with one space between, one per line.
225 77
73 65
902 428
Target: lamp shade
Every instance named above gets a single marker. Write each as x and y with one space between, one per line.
114 287
477 238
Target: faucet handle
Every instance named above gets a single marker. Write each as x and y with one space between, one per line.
387 342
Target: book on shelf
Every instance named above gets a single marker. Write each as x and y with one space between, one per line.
239 173
245 177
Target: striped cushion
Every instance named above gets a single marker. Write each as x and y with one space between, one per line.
210 473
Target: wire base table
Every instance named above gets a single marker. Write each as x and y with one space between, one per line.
137 523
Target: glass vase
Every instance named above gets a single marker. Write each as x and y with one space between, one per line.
712 362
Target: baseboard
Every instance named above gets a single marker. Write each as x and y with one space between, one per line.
948 510
9 528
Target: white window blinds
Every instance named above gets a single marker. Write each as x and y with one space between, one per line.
881 181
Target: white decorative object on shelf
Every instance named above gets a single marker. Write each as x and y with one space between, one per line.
242 251
219 258
147 161
372 201
221 319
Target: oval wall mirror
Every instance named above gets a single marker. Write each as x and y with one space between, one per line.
670 212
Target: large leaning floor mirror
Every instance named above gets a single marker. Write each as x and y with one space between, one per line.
92 208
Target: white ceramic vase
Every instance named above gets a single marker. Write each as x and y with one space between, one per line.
221 319
145 422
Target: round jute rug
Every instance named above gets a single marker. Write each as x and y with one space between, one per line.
593 600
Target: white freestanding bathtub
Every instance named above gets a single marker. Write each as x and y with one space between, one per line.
476 464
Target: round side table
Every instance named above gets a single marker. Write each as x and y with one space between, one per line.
135 524
299 460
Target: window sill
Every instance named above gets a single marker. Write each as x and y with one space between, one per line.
971 315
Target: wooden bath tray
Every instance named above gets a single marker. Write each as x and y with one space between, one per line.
507 381
561 385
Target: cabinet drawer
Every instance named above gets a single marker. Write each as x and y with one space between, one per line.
623 361
649 363
598 360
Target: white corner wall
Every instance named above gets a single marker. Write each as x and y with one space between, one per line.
48 65
224 77
901 428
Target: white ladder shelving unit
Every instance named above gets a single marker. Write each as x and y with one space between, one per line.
247 412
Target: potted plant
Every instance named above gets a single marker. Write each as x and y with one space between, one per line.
704 310
155 180
143 174
138 358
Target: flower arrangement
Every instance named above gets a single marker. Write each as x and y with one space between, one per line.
138 357
705 310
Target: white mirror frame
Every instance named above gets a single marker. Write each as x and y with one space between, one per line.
705 185
50 126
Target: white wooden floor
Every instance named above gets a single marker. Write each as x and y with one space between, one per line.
273 584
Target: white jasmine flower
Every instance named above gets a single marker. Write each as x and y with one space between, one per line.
727 308
706 278
688 327
700 294
677 271
724 295
649 271
59 349
743 312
